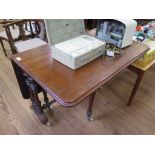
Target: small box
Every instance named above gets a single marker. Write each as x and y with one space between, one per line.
70 45
149 56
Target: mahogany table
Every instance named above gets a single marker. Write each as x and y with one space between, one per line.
68 87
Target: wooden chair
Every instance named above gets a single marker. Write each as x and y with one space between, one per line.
3 35
26 36
27 39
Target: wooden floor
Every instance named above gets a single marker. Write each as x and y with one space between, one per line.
111 115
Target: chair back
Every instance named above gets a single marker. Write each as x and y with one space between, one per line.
26 28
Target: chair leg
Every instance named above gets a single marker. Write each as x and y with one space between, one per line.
3 47
136 86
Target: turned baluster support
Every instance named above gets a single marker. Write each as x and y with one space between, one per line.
36 104
30 91
37 108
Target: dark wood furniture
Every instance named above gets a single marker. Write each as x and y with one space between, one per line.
23 26
143 21
3 35
24 29
69 87
90 23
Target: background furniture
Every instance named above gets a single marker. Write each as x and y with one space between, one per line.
140 71
25 36
143 21
134 68
3 35
90 23
66 86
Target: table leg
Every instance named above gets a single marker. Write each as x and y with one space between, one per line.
89 110
46 100
36 104
136 86
30 91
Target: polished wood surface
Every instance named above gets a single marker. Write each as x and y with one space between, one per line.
111 114
69 87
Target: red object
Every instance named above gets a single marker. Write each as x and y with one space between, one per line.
139 28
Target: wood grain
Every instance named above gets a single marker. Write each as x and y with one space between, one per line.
69 87
111 115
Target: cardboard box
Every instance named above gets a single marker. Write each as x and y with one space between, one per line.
149 56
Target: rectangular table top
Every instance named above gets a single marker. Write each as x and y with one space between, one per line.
69 87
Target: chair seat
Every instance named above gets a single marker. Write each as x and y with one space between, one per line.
14 32
29 44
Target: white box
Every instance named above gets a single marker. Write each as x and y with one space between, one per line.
78 51
70 45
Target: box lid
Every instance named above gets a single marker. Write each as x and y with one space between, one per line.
59 30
